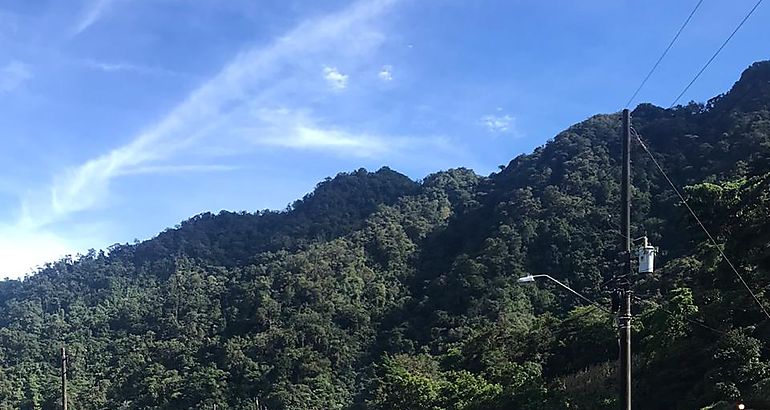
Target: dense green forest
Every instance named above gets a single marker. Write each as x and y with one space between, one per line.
379 292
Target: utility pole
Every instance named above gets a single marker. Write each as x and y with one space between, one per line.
64 378
624 315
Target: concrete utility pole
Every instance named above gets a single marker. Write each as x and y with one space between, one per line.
624 315
64 378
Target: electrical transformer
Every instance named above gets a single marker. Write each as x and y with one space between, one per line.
646 254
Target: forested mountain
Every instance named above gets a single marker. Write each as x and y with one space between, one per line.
378 292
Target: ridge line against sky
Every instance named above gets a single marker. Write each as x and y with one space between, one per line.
233 103
123 117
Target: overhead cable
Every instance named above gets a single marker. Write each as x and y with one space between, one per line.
693 321
702 226
671 44
719 50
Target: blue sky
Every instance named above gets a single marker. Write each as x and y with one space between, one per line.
123 117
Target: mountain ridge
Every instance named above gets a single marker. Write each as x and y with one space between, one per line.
379 292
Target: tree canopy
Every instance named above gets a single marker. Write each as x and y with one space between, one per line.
379 292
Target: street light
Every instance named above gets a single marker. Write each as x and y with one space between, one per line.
531 278
526 279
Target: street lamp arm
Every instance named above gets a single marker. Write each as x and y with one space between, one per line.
576 293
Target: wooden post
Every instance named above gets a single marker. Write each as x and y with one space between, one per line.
624 316
64 378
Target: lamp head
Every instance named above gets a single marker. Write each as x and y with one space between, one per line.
526 279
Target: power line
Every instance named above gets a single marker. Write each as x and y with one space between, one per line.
562 327
693 321
703 227
719 50
671 44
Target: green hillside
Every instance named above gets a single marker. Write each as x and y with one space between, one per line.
379 292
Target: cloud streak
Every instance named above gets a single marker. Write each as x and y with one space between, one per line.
179 169
284 128
252 79
92 13
127 68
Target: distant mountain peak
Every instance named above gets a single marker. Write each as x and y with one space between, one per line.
750 93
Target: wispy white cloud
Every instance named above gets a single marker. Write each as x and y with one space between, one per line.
127 68
498 123
13 75
386 73
92 12
254 78
335 78
329 139
289 129
178 169
231 113
283 128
